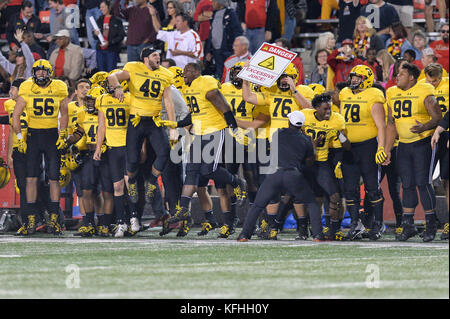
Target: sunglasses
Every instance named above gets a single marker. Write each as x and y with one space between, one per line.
444 31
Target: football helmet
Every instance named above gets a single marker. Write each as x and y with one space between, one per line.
5 174
42 65
317 88
99 79
90 98
178 76
64 177
366 75
70 162
235 69
291 71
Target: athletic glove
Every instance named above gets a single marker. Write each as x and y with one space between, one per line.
21 145
61 143
135 120
381 156
63 133
231 121
167 123
338 170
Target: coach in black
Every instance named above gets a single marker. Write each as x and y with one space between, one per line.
295 150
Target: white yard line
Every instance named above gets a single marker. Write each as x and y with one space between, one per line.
211 242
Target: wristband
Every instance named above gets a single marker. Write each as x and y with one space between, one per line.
229 118
342 138
19 136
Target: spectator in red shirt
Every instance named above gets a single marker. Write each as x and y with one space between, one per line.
441 47
285 44
202 15
342 60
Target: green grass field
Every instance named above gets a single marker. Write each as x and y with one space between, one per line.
148 266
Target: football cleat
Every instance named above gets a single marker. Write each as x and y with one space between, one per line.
398 232
133 192
273 234
241 238
430 232
22 231
120 230
356 229
319 238
184 229
240 191
375 232
225 231
103 231
149 192
129 232
302 233
86 231
365 233
444 235
166 227
31 224
339 236
206 228
327 233
262 231
134 223
180 215
408 231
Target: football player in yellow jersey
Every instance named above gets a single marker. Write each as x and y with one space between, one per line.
433 74
92 172
148 83
413 113
210 116
112 126
365 127
82 86
324 126
45 99
243 141
16 159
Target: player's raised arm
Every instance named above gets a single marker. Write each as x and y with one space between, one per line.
219 101
114 81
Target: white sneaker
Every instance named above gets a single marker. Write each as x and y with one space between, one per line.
135 224
121 229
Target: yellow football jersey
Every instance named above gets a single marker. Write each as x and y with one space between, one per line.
280 104
306 91
241 109
116 118
422 75
326 131
408 107
335 108
42 104
89 123
441 94
206 118
357 112
9 107
147 88
73 108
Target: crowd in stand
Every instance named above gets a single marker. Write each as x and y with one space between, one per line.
217 32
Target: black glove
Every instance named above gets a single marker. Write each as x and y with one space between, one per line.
231 121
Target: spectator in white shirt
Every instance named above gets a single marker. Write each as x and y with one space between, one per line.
183 45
